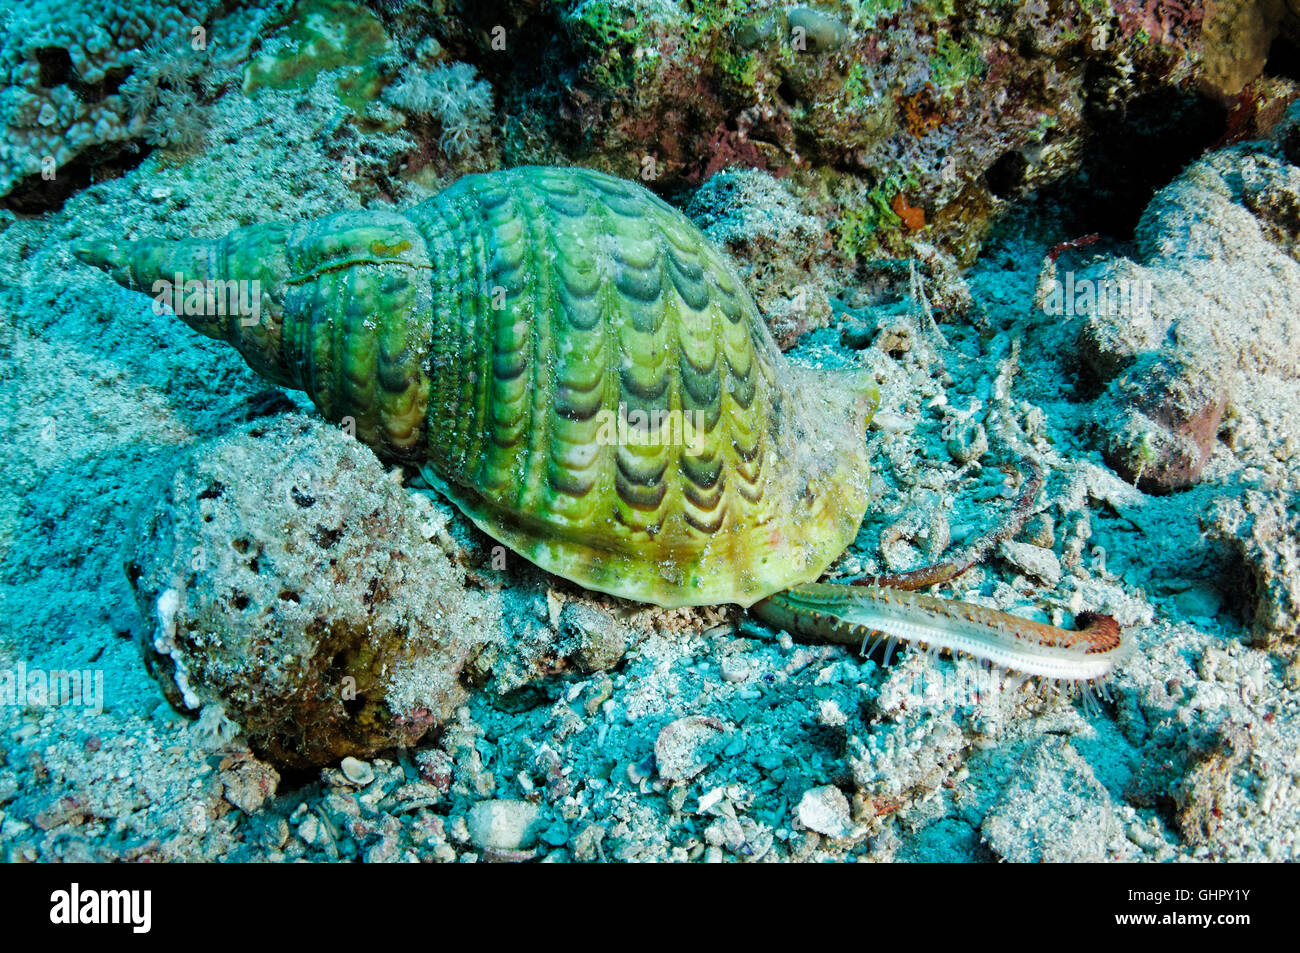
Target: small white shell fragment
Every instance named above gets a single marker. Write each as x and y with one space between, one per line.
826 811
709 800
1034 560
890 423
687 746
357 771
502 824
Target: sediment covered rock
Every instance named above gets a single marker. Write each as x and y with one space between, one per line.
1264 530
282 575
1203 321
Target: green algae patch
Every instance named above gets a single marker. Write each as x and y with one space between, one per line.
325 35
955 62
860 226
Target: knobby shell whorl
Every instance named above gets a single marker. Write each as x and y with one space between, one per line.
571 361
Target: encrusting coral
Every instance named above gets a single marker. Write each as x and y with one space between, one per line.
79 75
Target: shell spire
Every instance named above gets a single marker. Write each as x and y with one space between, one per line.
230 289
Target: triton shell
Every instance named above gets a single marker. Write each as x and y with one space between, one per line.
568 359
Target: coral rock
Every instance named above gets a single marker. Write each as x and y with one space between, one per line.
1054 809
1264 529
248 784
503 825
775 245
1206 319
826 811
283 576
1161 419
687 746
596 639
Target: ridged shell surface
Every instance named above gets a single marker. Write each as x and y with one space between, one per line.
569 359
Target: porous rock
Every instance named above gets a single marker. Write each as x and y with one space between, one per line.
282 574
596 639
687 746
1038 561
774 244
826 811
1159 421
1211 789
247 784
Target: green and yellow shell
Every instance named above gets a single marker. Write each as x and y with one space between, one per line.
568 358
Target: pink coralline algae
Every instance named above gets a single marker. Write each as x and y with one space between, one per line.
1170 22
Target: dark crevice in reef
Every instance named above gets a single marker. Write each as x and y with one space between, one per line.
1283 60
55 65
55 69
522 65
35 195
1007 174
1135 149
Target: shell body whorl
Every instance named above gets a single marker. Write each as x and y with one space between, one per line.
575 366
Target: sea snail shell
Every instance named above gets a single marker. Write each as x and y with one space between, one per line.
568 358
